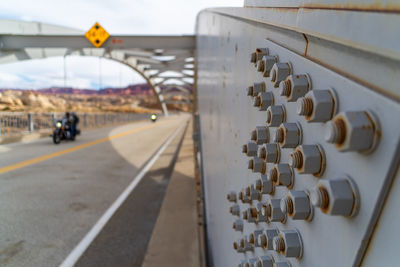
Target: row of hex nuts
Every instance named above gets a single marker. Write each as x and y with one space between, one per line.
288 135
316 105
349 131
338 196
286 242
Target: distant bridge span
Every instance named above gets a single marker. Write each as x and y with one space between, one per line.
153 57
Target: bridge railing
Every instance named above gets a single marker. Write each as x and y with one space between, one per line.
12 123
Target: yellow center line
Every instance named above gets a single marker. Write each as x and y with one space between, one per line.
69 150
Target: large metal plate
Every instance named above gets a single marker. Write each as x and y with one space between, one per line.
227 118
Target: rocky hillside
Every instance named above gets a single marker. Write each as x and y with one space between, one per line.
136 98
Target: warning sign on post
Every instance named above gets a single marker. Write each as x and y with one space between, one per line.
97 35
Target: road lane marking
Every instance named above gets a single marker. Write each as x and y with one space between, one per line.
69 150
78 251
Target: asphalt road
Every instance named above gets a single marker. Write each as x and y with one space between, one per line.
52 195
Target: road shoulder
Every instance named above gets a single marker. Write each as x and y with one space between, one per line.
174 241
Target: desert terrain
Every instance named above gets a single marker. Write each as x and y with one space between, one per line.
136 98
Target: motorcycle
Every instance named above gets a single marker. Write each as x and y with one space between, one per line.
63 132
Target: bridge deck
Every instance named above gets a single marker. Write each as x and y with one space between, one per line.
51 196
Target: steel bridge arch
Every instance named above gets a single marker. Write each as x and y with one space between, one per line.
32 40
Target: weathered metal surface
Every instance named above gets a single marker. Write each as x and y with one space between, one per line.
226 38
365 5
341 48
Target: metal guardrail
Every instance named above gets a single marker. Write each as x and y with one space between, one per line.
21 122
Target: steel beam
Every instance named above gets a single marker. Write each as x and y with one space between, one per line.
176 42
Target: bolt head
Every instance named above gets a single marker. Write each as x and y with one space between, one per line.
275 115
302 209
360 131
285 175
264 100
324 103
343 196
293 243
300 85
268 62
276 214
260 135
265 261
292 135
313 159
268 237
279 72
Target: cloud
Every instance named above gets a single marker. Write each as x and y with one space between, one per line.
117 16
81 72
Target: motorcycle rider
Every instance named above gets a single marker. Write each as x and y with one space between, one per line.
67 121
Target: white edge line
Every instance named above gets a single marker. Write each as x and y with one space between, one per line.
78 251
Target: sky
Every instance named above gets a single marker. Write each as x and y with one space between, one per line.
117 16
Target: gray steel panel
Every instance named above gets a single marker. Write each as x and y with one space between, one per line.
227 118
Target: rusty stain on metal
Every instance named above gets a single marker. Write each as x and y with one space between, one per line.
306 48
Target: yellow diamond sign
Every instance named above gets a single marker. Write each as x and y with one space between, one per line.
97 35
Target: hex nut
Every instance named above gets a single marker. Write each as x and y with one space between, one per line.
339 196
289 243
275 115
253 193
266 239
258 54
282 175
274 212
354 131
297 205
245 245
318 105
295 86
250 149
264 185
262 52
237 247
260 216
258 88
264 100
257 165
231 196
289 135
260 135
255 89
269 152
243 197
308 159
282 264
238 225
252 262
235 210
252 215
279 72
265 261
265 64
253 238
